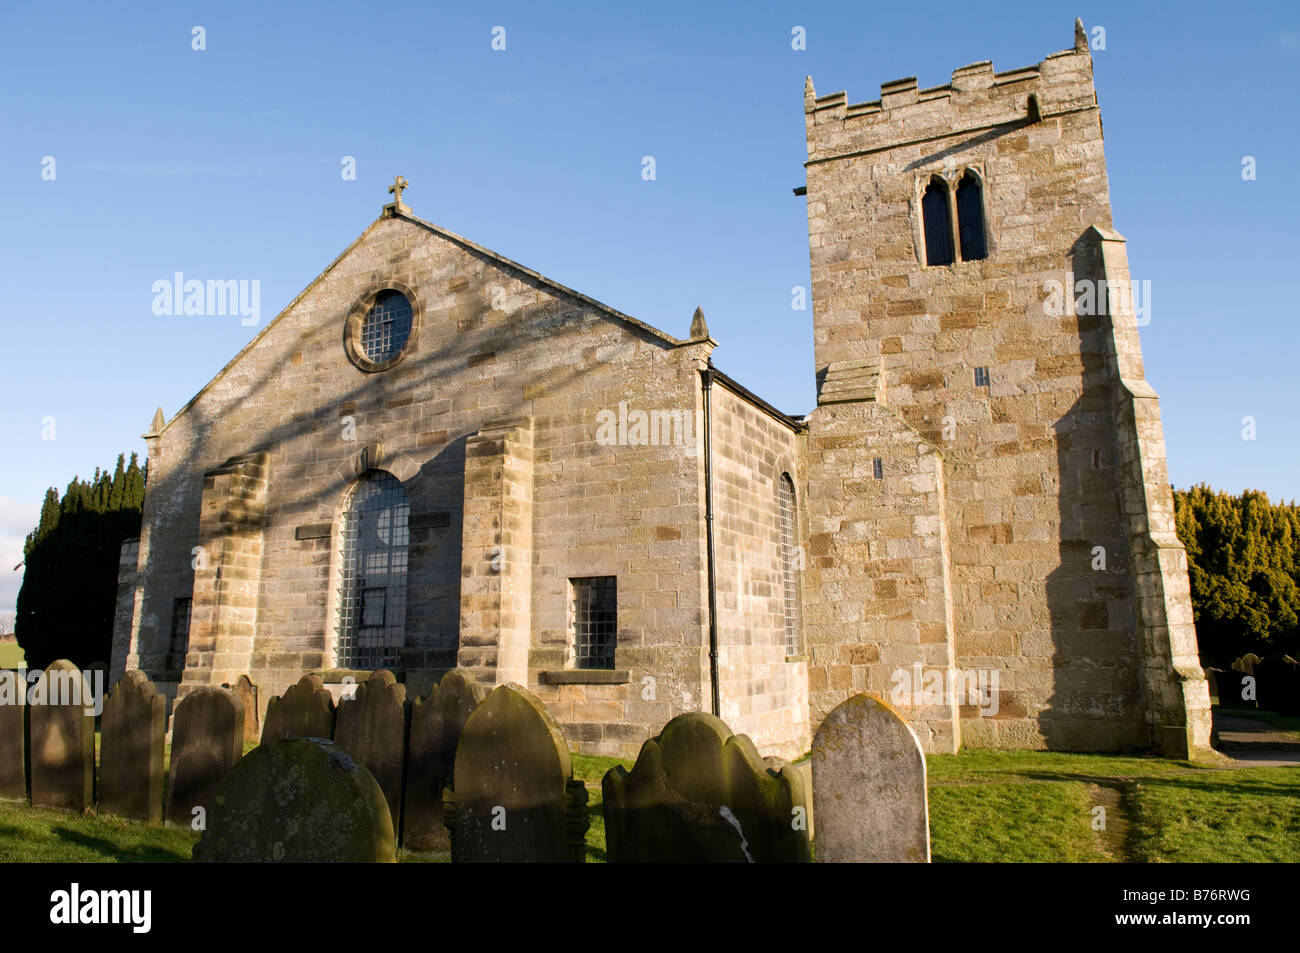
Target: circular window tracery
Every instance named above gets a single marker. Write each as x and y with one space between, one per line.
387 326
382 326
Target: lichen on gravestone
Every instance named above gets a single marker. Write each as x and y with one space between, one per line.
299 800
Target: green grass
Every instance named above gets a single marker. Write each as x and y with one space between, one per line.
11 655
968 823
1037 806
590 769
985 806
45 835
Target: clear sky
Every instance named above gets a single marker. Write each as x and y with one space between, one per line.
226 163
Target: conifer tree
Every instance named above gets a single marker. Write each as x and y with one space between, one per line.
69 592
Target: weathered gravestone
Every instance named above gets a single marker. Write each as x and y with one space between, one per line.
207 741
132 731
869 786
304 800
699 794
371 727
246 692
436 725
513 797
62 725
306 710
13 736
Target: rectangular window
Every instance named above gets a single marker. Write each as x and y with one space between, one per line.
878 468
594 620
180 637
981 377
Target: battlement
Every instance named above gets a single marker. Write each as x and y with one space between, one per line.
976 100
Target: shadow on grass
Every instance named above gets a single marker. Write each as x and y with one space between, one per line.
111 850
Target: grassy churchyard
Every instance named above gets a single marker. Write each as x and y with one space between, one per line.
11 655
991 806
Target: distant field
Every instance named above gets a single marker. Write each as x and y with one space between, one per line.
11 655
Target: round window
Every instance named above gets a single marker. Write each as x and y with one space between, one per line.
387 327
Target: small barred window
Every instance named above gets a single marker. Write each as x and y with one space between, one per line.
594 620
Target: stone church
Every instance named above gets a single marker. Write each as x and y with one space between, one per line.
437 457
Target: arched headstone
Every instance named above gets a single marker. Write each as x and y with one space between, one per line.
513 797
62 725
371 727
207 741
13 736
246 692
132 731
869 791
699 794
303 800
436 725
306 710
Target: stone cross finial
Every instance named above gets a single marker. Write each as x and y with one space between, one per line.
396 188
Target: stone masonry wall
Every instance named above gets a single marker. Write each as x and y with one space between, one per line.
1030 468
764 692
491 341
876 590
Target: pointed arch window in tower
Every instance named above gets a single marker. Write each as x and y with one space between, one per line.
970 218
937 221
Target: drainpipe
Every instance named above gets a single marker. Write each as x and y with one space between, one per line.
707 375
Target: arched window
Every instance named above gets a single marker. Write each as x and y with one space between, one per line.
937 221
970 218
789 562
373 538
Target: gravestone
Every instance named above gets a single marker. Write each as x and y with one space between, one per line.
869 786
207 741
1276 685
132 731
306 710
436 725
513 797
246 692
699 794
62 726
13 736
371 727
303 800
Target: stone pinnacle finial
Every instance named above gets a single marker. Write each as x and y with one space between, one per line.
1080 36
808 92
159 421
699 330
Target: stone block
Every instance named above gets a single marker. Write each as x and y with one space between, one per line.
699 794
371 727
301 800
132 731
207 741
436 725
869 786
513 797
62 735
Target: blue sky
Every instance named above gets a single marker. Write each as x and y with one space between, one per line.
226 163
